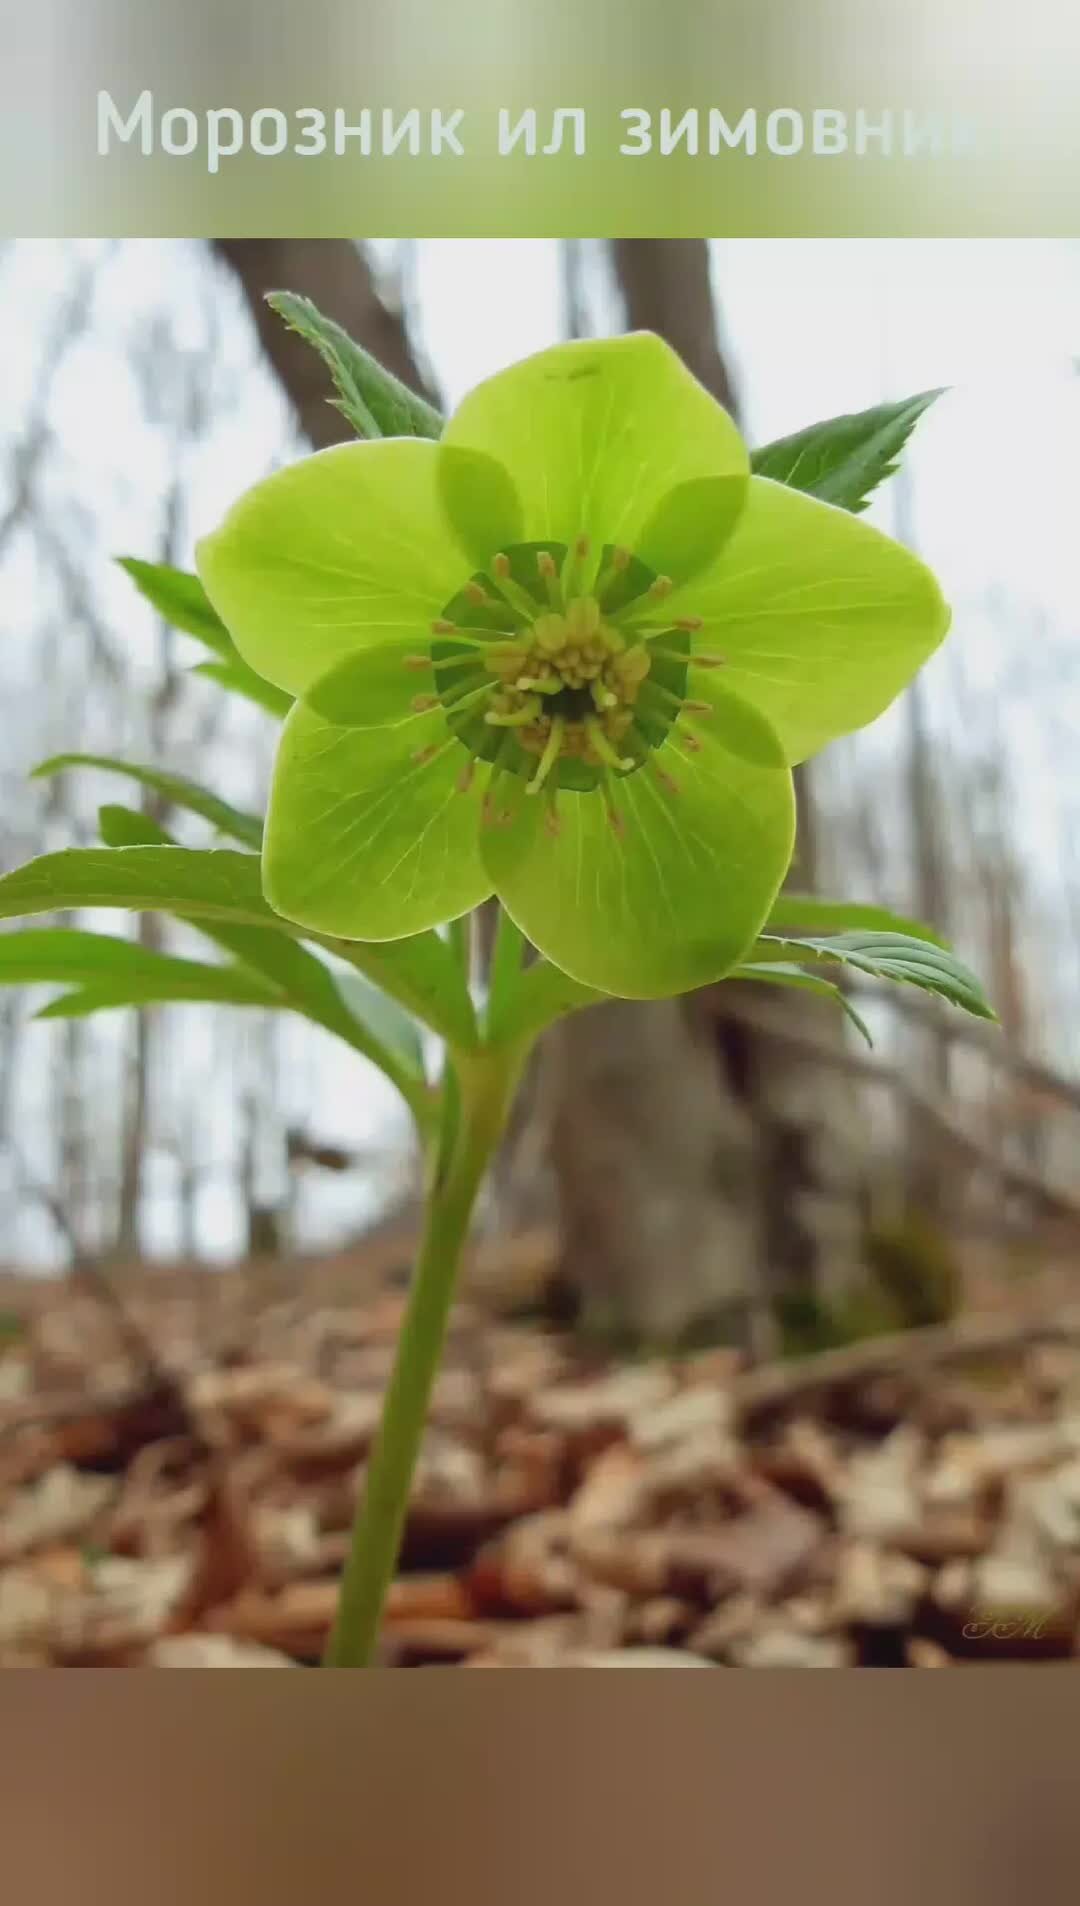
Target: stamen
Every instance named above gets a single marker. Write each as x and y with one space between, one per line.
604 751
690 624
466 777
518 598
478 594
617 565
602 696
693 660
441 626
573 565
519 718
552 751
662 587
540 685
548 571
454 706
423 704
419 662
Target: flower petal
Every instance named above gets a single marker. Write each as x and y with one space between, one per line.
367 836
821 619
342 549
598 434
674 898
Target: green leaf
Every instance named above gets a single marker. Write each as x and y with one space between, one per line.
174 788
376 403
342 1001
381 1015
110 995
543 994
121 826
181 599
237 678
779 974
223 885
807 910
121 972
843 460
888 956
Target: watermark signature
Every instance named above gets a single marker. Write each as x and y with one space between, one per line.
1013 1624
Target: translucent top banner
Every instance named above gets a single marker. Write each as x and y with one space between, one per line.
933 118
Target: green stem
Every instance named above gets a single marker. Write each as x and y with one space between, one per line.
505 972
487 1085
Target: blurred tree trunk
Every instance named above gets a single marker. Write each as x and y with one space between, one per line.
689 1153
685 1149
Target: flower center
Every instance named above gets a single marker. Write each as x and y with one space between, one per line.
561 668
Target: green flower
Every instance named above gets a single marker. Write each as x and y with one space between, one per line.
567 654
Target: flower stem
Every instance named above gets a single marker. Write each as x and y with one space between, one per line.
487 1080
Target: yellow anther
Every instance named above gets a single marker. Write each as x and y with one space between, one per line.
689 623
466 777
422 704
697 708
549 633
662 587
632 667
546 564
620 559
442 627
581 547
477 593
418 662
500 566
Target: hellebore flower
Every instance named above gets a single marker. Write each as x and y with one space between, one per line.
566 654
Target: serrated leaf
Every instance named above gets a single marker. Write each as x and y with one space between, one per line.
174 788
220 884
237 678
843 459
783 975
376 403
891 956
808 911
181 600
